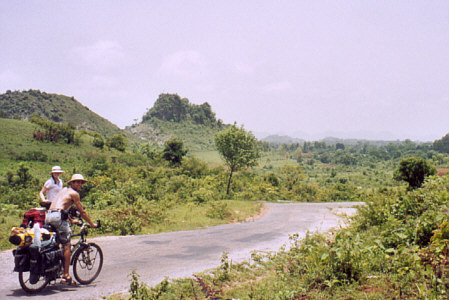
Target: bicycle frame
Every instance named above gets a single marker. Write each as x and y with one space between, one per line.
82 243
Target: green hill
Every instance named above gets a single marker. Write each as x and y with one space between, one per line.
57 108
18 145
172 116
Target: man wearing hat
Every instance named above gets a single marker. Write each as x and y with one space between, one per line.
51 187
67 197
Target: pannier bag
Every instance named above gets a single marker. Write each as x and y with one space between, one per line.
51 254
21 259
37 259
34 215
35 263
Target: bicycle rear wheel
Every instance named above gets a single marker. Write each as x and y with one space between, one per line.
27 286
87 263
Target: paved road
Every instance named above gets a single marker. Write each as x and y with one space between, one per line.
182 253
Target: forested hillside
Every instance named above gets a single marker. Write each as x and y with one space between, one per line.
174 117
57 108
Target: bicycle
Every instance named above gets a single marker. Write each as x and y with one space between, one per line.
86 259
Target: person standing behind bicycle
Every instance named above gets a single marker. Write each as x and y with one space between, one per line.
51 187
58 217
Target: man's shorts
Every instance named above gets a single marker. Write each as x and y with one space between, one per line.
63 230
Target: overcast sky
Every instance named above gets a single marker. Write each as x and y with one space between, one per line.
361 69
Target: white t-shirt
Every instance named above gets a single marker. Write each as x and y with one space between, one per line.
52 188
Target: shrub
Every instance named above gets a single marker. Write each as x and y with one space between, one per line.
54 131
98 141
141 291
121 221
218 211
117 142
33 156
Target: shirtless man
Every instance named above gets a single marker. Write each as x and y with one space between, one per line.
67 197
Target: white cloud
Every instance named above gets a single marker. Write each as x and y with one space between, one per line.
102 55
184 63
277 87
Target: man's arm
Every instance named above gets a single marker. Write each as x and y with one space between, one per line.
76 200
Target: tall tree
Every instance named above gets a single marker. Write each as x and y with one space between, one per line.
414 170
238 148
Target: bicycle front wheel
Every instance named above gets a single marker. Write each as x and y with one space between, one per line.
27 286
87 263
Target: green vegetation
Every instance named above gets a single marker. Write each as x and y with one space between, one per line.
132 192
175 117
414 170
238 149
117 142
172 108
442 145
174 151
56 108
54 131
396 247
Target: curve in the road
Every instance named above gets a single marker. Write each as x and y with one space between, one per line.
182 253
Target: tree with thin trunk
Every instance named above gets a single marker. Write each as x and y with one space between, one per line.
238 148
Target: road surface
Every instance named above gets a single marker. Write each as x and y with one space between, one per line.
182 253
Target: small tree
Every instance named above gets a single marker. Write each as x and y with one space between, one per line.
174 151
238 148
414 170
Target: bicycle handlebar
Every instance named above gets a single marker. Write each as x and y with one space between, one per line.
82 224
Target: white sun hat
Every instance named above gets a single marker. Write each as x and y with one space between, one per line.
77 177
56 169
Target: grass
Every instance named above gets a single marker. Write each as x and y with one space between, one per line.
16 140
8 220
212 157
191 216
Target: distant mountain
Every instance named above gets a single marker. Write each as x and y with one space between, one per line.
57 108
285 139
174 117
282 139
